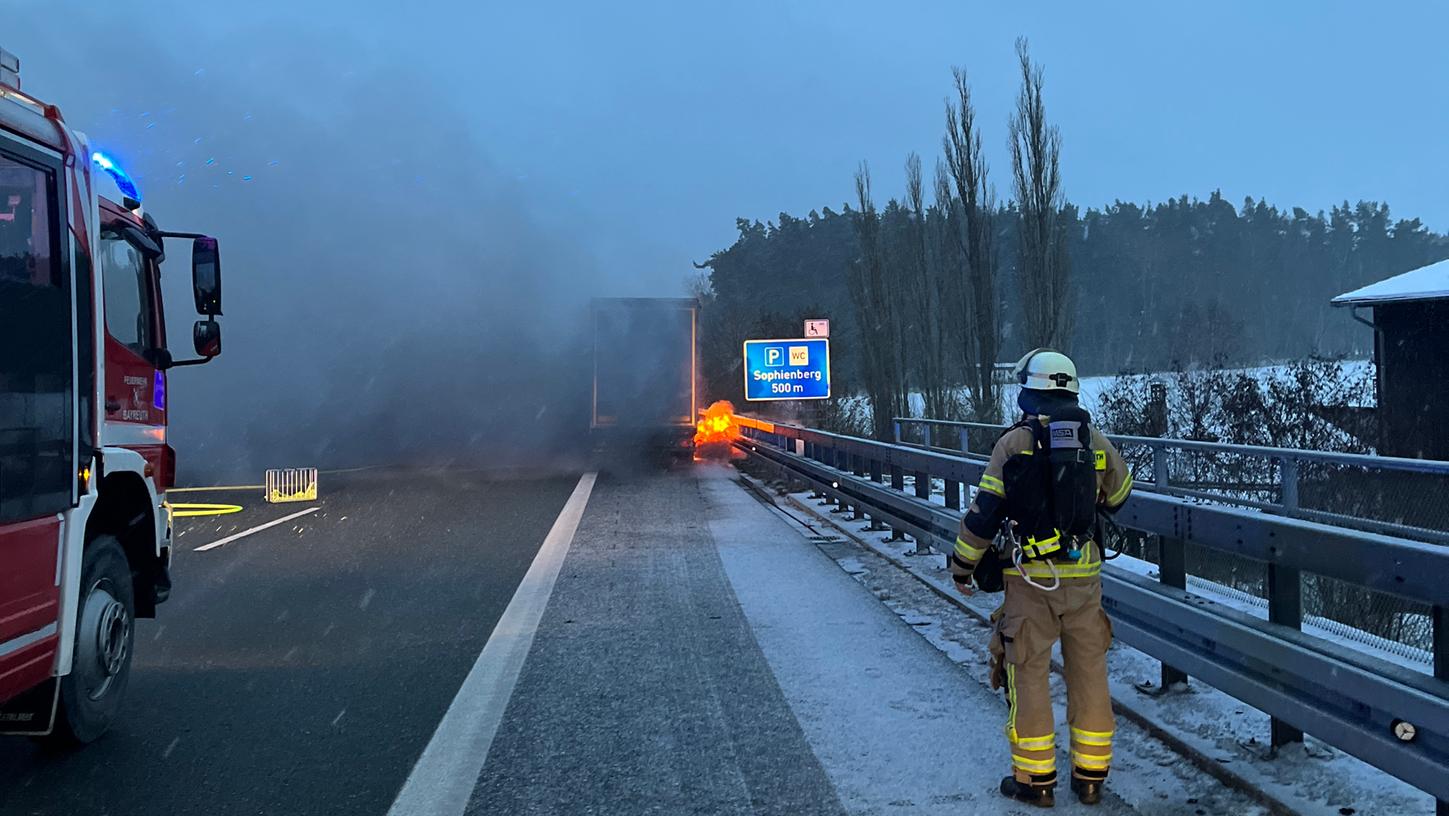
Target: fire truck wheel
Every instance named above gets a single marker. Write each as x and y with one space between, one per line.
90 696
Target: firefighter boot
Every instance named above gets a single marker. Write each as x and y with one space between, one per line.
1037 789
1087 785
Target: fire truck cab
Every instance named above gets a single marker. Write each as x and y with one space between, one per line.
85 535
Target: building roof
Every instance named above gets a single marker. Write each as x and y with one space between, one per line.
1425 283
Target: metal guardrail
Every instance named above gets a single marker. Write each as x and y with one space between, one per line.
1355 702
1284 484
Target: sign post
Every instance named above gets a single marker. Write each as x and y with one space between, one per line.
787 369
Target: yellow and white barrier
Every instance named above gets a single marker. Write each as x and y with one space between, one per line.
291 485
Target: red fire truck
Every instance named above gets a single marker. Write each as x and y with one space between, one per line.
85 536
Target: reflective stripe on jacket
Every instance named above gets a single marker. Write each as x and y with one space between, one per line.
987 512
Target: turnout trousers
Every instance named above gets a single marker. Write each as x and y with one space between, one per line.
1028 622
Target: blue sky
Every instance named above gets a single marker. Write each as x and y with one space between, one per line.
640 130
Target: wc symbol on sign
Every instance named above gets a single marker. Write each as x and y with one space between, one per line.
774 357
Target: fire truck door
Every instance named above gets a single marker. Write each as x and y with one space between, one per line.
37 416
135 402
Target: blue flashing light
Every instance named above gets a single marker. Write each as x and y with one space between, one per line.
123 181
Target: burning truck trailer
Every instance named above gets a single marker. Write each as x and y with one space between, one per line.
645 399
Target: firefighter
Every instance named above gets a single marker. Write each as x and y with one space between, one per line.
1032 519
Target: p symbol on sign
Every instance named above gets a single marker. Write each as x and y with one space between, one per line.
774 357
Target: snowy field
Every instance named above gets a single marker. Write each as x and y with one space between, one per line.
1092 388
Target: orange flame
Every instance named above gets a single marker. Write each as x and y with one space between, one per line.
718 426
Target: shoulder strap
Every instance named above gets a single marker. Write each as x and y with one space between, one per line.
1023 423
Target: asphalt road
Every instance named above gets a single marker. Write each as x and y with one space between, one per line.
696 653
302 669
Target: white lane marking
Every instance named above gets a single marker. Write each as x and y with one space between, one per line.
443 779
257 529
170 748
366 598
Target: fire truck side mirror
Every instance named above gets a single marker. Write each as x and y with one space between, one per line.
206 278
206 336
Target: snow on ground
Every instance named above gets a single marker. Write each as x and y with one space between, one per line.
1313 779
1094 387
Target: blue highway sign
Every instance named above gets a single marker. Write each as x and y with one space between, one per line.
787 369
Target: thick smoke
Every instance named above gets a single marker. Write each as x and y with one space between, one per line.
388 297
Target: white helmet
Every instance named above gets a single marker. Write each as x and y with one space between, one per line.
1046 370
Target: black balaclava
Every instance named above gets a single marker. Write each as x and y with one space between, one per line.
1036 403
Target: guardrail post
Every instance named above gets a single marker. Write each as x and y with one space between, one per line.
788 445
1439 620
840 460
1288 469
896 426
827 457
898 482
875 476
926 435
1439 636
1285 606
1171 552
812 452
953 494
1172 571
923 491
857 467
